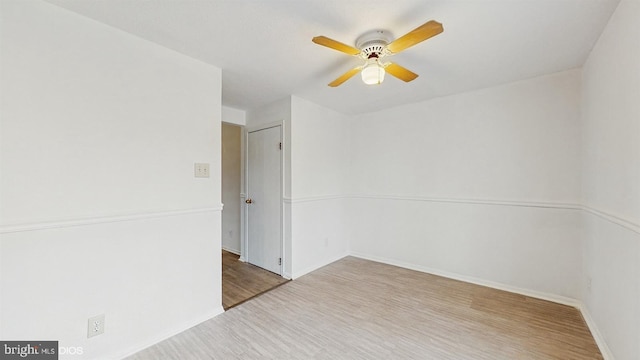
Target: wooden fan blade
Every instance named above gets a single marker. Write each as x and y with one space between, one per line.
344 77
417 35
400 72
335 45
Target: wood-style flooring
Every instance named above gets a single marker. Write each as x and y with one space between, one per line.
242 281
358 309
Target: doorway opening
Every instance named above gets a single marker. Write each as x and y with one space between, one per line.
242 281
248 232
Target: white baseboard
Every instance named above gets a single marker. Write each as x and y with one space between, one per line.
595 332
233 251
469 279
297 274
167 334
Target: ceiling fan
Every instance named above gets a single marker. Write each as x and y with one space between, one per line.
374 46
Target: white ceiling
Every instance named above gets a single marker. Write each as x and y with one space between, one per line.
265 51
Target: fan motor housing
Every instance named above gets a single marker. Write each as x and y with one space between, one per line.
373 43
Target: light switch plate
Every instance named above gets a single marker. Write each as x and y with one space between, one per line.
201 170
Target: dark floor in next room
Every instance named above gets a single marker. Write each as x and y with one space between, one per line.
242 281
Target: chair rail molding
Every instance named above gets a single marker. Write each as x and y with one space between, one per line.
44 225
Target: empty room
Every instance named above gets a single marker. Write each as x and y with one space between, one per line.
419 179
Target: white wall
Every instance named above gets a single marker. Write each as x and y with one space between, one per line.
234 116
320 160
516 142
482 186
231 186
100 210
277 111
611 177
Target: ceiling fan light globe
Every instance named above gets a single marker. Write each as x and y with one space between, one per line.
372 74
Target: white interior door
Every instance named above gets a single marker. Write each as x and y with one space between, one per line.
264 199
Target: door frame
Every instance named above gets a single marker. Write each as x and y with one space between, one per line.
244 224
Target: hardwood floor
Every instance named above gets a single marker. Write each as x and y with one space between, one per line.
358 309
242 281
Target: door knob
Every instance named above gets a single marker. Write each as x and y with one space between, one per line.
249 201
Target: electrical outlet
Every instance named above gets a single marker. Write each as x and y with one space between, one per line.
201 170
95 326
